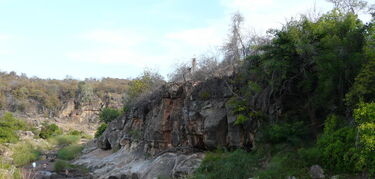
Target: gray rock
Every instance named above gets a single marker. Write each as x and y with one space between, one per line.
316 172
162 135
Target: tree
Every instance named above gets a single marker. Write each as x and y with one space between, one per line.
109 114
85 92
353 6
142 86
235 48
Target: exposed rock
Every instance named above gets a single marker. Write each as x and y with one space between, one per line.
171 127
24 135
316 172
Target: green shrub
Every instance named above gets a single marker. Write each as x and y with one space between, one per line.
9 126
365 117
136 134
100 130
24 153
237 164
70 152
282 165
337 146
310 156
109 114
62 165
75 132
64 140
284 132
49 130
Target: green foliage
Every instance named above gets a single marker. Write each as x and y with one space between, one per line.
24 153
50 95
338 152
100 130
284 132
109 114
241 119
363 89
7 170
305 70
70 152
237 164
135 134
365 117
85 92
49 130
8 128
282 165
62 165
75 132
239 108
142 85
64 140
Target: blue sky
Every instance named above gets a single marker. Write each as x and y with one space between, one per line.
119 38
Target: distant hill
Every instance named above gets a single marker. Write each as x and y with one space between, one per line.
68 98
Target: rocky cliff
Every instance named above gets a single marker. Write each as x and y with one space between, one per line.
71 115
166 133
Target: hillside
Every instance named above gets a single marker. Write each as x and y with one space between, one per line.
300 104
63 99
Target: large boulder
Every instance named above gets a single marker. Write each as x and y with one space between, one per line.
163 134
316 172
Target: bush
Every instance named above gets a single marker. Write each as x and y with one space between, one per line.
109 114
61 165
282 165
100 130
284 132
64 140
365 117
70 152
237 164
8 127
142 86
75 132
337 147
49 130
24 153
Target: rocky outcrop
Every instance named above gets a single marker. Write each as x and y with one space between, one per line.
165 133
73 114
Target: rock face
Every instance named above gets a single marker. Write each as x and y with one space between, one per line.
72 114
164 134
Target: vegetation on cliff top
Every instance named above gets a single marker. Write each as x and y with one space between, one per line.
20 93
311 87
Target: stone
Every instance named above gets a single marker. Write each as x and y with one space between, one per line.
316 172
25 135
163 134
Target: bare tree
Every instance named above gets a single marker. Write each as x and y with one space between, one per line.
235 48
371 10
353 6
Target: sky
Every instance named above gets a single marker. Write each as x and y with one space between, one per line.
120 38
